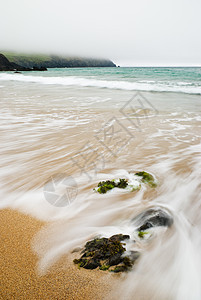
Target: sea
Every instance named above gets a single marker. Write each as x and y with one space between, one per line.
65 130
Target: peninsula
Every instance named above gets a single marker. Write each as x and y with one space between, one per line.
10 61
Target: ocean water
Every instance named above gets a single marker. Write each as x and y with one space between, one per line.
64 130
186 80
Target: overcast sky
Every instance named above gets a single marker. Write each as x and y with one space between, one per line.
130 32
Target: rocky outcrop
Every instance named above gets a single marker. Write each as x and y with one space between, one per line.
6 65
107 254
111 253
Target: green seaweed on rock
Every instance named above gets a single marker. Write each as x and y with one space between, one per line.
104 267
141 234
122 183
105 186
147 178
107 254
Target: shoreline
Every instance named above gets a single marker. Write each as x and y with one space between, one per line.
18 264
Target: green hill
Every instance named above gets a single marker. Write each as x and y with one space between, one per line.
53 61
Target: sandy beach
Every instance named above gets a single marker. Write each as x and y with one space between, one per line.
90 134
18 274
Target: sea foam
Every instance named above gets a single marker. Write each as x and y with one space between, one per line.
149 85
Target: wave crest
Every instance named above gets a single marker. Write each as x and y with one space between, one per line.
151 86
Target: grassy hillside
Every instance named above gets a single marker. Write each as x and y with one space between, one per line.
26 60
50 61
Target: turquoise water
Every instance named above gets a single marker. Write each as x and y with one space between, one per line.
133 74
179 80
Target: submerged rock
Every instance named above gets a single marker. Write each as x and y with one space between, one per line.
105 186
147 178
152 217
107 254
131 184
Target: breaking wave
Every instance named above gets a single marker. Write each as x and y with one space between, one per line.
143 85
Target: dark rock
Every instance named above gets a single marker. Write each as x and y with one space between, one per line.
104 267
115 259
121 268
92 264
119 237
153 217
35 68
126 262
133 256
105 253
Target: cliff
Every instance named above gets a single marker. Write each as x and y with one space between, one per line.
6 65
52 61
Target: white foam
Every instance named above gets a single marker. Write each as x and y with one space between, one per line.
154 86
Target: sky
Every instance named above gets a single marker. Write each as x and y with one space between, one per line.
129 32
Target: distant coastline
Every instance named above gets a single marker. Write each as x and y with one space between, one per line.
28 61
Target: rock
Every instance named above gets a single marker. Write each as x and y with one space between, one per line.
153 217
133 256
105 253
120 237
147 178
126 262
129 185
77 249
92 264
105 186
115 259
39 68
120 268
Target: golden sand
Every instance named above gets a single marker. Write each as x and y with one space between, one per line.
18 275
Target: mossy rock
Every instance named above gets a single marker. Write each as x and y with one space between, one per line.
141 234
122 183
118 269
105 186
106 253
104 267
147 178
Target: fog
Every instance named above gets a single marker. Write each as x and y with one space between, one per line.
129 32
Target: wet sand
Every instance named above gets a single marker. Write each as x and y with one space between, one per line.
18 272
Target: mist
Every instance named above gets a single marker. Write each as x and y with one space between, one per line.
131 33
